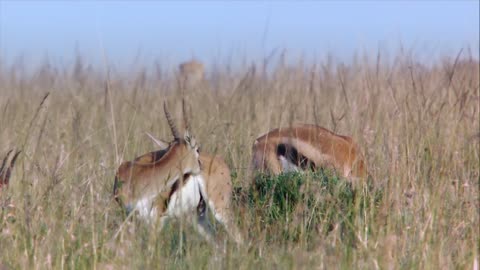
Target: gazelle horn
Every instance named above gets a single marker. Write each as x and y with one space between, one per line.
14 159
12 163
185 121
5 171
174 129
5 161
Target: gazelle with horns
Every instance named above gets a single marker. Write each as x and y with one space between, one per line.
170 183
303 146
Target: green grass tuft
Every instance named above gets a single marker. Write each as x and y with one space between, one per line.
297 206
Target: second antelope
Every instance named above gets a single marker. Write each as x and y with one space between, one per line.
303 146
171 183
192 74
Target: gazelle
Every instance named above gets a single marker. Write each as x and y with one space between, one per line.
305 146
6 169
216 179
170 183
191 74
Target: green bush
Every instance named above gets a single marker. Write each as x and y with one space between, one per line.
296 206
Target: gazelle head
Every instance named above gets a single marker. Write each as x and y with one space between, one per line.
152 173
6 169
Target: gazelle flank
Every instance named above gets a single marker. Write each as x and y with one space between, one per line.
304 146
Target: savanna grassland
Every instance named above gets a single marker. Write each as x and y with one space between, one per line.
417 124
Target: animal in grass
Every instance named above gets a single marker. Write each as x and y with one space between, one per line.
301 147
192 73
216 180
176 182
6 169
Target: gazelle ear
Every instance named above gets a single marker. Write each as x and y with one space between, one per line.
189 139
186 136
158 142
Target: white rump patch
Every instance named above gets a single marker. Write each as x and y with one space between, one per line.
182 202
145 208
185 199
288 166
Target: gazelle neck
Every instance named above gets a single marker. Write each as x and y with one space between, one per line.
166 171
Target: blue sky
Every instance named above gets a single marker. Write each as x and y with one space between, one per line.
175 31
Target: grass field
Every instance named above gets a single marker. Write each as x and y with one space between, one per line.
417 124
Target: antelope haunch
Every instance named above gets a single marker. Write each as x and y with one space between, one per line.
303 146
6 169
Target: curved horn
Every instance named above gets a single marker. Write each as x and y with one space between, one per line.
14 159
185 121
175 132
5 172
5 161
9 169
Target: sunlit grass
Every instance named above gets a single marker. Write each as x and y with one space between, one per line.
417 125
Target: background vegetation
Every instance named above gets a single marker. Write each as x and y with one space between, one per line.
417 123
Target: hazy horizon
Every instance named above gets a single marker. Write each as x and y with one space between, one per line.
139 32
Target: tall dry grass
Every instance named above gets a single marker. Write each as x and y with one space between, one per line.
418 125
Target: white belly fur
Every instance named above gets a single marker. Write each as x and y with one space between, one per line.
145 209
185 200
182 202
288 166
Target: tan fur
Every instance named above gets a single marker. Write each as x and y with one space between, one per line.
320 146
219 189
191 73
214 171
154 172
